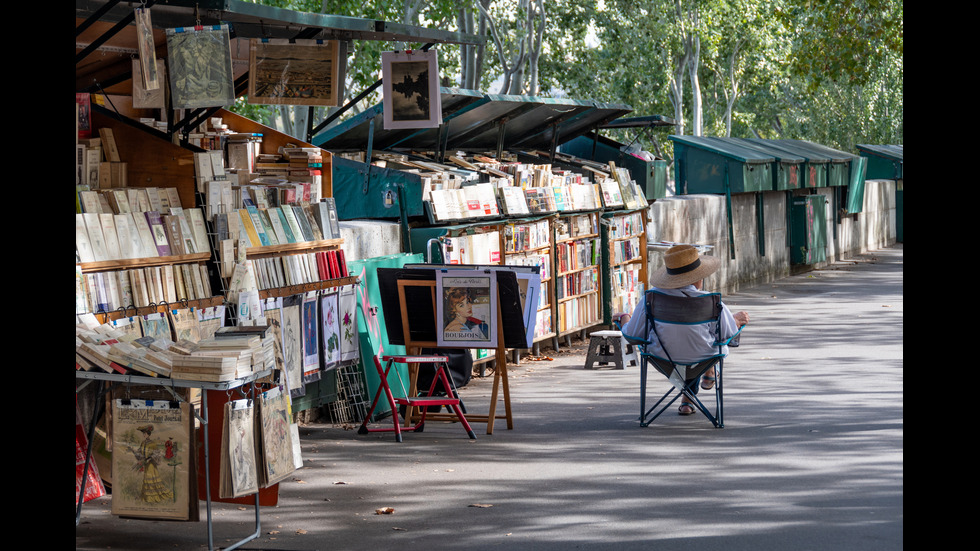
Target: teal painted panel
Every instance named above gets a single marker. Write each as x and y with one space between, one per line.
372 331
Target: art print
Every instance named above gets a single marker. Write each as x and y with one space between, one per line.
272 310
347 308
151 459
294 72
276 438
292 344
411 96
330 330
239 471
200 67
466 308
311 343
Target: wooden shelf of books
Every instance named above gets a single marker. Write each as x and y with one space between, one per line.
624 241
578 281
139 250
528 242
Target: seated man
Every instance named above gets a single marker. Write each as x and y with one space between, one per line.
683 275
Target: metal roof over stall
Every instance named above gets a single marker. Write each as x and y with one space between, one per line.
477 122
885 162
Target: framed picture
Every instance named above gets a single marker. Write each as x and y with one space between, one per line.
200 67
410 84
294 72
466 308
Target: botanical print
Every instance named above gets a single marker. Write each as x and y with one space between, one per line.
330 330
347 308
151 459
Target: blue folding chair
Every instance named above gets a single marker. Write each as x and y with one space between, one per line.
691 328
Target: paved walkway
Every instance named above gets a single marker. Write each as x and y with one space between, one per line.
811 456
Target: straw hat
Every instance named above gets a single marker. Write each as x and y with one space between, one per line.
684 266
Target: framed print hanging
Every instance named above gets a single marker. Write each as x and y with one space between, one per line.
311 338
294 72
239 468
466 311
410 83
274 437
200 67
152 459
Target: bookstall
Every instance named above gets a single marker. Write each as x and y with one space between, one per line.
494 162
212 289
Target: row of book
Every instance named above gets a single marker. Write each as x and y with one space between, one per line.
298 223
139 287
577 283
626 287
106 237
224 196
127 199
626 225
625 250
576 226
298 269
527 236
579 312
576 255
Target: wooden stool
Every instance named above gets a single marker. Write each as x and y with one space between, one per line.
609 347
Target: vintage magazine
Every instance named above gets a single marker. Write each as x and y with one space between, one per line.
152 460
411 97
466 308
200 67
300 72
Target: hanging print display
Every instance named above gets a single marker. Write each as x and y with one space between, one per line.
294 72
330 330
150 75
152 459
200 67
465 309
410 80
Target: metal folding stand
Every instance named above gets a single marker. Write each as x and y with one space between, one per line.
171 384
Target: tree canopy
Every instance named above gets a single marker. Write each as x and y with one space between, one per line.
829 71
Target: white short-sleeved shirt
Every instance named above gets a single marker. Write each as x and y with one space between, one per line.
693 343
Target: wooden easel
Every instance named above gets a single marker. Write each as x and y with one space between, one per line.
499 373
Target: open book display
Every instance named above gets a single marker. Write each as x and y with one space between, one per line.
481 187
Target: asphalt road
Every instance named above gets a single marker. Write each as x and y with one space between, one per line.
810 458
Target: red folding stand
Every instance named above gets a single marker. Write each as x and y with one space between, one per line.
421 402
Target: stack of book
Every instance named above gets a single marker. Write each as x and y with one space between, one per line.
217 359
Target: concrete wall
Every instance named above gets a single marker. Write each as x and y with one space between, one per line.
703 220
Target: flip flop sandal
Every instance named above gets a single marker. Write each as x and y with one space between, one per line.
686 409
707 383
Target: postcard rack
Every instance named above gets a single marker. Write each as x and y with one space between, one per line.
414 346
101 379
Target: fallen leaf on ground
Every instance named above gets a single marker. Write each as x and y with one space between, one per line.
384 511
300 531
481 505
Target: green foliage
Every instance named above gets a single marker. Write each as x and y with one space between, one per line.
830 71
